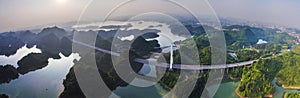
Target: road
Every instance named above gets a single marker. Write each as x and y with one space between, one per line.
193 67
154 62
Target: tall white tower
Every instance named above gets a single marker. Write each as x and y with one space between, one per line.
171 57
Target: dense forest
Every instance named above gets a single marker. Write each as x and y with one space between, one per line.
289 75
291 95
8 73
140 48
3 96
240 40
257 81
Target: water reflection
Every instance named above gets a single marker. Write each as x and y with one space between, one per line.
155 91
280 91
130 91
226 89
43 83
13 59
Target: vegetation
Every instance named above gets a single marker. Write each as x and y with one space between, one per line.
256 82
259 51
9 43
238 36
201 43
142 47
4 96
200 85
65 46
291 95
170 78
239 39
285 68
72 89
32 61
289 75
237 72
139 49
8 73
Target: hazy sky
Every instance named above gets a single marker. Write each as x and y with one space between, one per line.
15 14
285 12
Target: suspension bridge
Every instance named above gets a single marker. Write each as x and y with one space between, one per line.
153 62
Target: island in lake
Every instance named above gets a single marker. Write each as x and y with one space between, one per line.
273 55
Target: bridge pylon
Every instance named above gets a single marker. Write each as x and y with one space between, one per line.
171 58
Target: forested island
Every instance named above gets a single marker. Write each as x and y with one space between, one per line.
275 61
32 61
51 41
8 73
277 57
291 95
140 48
3 96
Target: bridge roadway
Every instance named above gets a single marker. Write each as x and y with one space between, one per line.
153 62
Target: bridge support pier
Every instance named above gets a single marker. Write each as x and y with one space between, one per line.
227 70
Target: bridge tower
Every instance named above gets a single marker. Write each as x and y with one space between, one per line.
171 57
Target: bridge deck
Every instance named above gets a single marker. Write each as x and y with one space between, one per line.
193 67
176 66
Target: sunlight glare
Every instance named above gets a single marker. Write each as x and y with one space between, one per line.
61 1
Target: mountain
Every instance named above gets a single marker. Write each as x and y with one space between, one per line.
27 37
9 43
58 32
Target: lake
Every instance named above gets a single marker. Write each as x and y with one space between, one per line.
130 91
280 91
42 83
13 59
227 90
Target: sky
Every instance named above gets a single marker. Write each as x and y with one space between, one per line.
282 12
17 14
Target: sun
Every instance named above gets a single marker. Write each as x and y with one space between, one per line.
61 1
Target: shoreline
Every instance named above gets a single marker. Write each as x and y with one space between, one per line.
291 87
238 93
166 87
265 96
286 87
235 78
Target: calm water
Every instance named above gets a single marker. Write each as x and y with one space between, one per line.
42 83
130 91
227 90
156 91
47 82
166 37
13 59
280 90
